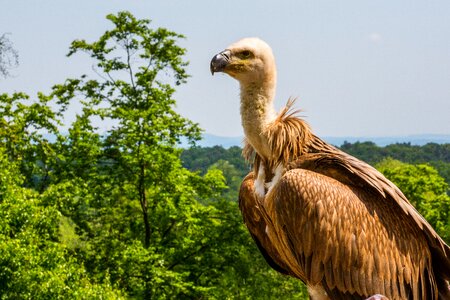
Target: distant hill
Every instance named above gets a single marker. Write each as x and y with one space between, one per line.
210 140
418 140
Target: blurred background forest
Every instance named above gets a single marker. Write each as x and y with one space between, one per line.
128 214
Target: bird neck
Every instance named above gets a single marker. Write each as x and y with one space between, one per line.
257 112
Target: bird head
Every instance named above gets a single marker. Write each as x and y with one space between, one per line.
248 60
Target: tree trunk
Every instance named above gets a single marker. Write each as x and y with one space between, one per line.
147 227
144 206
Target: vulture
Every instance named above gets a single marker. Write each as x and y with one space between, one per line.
319 214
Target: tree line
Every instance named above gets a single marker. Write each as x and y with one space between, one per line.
433 154
127 214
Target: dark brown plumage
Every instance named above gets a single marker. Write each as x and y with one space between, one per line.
321 215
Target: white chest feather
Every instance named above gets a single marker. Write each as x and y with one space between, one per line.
260 189
261 186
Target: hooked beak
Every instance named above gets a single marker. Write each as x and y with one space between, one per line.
220 61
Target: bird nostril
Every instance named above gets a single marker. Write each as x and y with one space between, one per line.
226 54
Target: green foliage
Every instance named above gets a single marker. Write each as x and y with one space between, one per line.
33 264
426 190
229 161
201 158
233 178
434 154
23 124
370 152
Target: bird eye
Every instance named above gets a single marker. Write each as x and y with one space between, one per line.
245 54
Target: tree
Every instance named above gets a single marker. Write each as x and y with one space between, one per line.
135 63
33 264
9 57
25 126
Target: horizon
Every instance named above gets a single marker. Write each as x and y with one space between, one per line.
210 140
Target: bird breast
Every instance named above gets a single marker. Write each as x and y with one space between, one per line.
263 184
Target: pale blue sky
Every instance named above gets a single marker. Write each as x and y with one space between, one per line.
358 68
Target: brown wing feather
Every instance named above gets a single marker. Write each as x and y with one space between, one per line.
363 241
351 171
256 224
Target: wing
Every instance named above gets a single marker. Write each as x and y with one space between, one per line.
353 172
256 225
346 239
